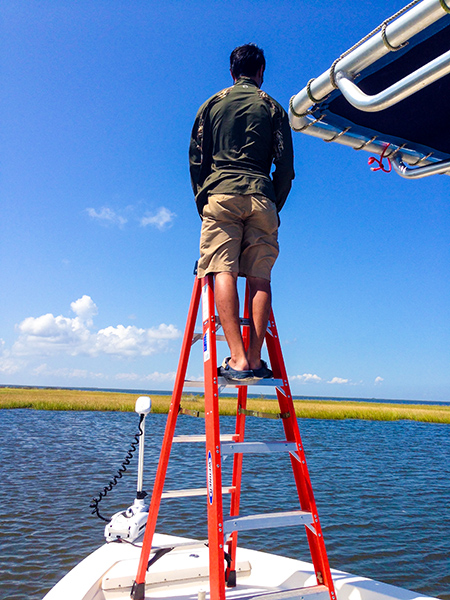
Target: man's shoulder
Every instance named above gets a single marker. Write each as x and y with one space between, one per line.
276 106
214 98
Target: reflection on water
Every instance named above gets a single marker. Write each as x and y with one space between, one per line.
382 491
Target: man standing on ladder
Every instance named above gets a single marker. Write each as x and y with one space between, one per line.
237 135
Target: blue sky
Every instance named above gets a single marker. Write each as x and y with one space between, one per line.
99 231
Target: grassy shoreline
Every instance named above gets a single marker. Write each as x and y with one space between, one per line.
73 400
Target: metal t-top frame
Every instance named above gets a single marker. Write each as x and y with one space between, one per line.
392 35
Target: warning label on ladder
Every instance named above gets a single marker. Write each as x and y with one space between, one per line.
206 355
205 303
210 478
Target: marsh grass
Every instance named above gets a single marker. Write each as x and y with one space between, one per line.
62 399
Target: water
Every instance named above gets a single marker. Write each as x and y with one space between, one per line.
382 490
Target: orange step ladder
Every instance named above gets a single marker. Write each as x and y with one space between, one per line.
223 530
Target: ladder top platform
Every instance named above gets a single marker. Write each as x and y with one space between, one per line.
222 382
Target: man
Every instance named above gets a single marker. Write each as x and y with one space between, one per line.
237 136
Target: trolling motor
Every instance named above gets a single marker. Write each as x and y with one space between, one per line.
129 524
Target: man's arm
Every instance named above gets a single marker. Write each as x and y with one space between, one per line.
284 165
195 155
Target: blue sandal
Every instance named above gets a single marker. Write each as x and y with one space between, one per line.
231 374
263 372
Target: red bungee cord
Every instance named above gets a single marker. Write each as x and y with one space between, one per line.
379 162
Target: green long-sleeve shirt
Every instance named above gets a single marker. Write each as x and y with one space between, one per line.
237 136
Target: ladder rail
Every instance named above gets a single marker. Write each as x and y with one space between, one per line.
230 574
138 592
213 452
298 462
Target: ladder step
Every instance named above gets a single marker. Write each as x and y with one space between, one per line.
198 336
186 439
266 521
193 492
242 321
222 382
263 382
257 447
315 592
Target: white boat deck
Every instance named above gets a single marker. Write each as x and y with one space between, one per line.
182 574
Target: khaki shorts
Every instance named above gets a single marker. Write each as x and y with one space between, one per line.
239 235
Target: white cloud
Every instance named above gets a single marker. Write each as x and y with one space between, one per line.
107 216
162 219
41 369
378 380
132 341
8 364
199 378
161 377
50 335
85 308
65 372
127 376
306 378
338 380
156 376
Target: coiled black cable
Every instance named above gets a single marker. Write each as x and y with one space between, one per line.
96 501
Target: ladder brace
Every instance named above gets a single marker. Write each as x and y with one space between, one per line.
263 415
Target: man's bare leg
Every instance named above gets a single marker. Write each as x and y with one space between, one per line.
227 303
260 303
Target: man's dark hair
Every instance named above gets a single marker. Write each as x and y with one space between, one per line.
246 60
